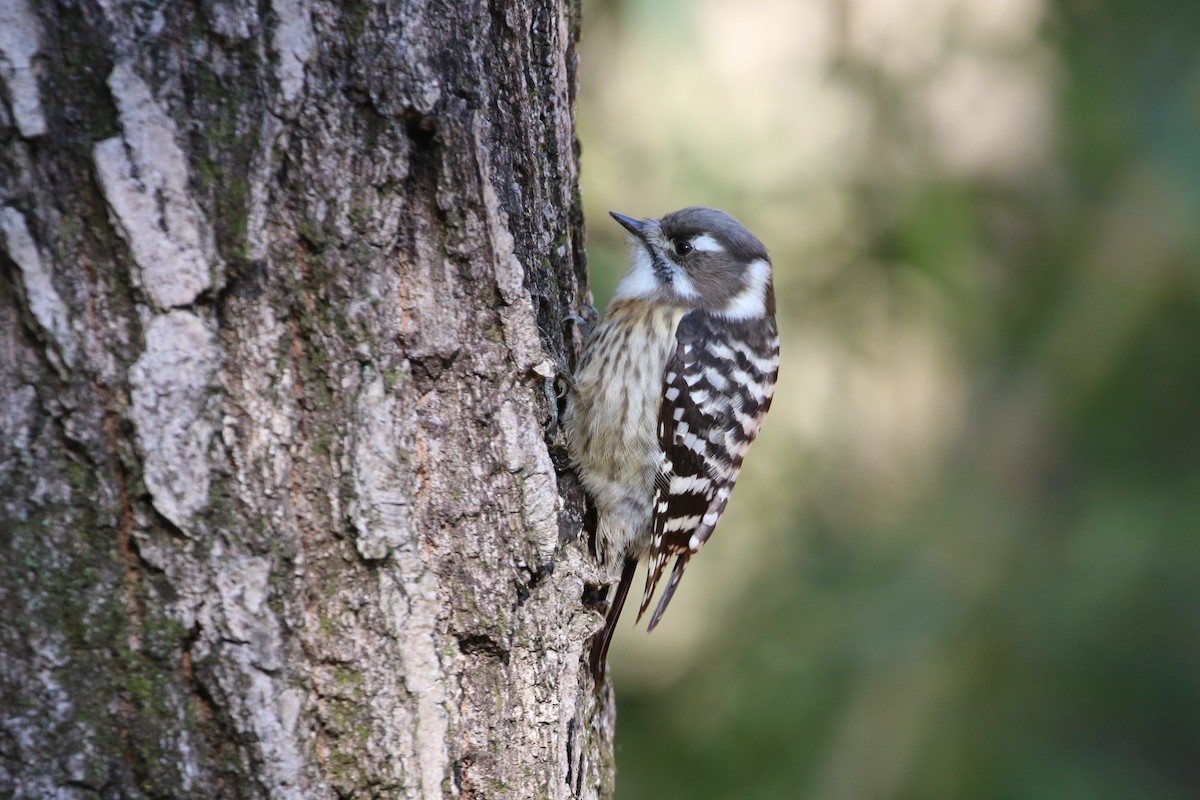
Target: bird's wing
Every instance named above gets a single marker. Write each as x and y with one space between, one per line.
717 387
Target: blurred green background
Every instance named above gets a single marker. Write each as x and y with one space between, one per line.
963 559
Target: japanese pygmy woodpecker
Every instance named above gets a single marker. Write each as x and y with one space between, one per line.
671 389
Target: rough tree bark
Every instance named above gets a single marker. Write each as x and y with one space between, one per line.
282 503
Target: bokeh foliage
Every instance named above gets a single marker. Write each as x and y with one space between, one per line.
963 561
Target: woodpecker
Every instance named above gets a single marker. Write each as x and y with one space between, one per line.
672 387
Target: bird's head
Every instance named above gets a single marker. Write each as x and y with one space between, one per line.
699 258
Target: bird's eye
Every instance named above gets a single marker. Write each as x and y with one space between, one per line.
683 247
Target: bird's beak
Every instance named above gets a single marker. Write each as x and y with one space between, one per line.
639 228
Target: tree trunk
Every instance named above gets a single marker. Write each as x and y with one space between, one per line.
283 508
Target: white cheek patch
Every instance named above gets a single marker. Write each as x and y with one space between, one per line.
707 244
681 283
641 281
751 302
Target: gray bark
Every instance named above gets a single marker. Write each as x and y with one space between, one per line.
283 507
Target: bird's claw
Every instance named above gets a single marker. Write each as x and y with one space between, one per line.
584 316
